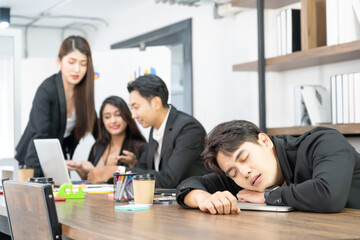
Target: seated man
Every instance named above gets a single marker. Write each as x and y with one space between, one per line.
176 139
316 172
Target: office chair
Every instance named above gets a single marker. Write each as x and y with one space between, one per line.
31 211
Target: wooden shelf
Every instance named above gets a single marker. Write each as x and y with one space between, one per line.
308 58
346 129
270 4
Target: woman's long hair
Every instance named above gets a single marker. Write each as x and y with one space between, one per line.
84 90
133 135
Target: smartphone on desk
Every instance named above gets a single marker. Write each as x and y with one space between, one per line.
263 207
165 191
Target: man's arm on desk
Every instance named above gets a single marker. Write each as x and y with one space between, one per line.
210 193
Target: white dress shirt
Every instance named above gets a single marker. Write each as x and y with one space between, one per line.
70 124
158 136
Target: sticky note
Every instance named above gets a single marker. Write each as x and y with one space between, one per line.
132 207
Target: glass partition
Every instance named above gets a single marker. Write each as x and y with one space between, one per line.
6 97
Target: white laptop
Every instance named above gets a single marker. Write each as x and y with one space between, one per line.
263 207
52 160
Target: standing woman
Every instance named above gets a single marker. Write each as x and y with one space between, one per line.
63 106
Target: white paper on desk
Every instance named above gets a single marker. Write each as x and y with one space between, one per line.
93 185
100 189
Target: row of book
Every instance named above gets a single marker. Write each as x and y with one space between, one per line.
342 25
345 98
288 31
342 21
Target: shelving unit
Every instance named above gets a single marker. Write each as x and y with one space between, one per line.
307 58
269 4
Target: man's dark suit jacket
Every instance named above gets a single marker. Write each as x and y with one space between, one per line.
47 120
181 150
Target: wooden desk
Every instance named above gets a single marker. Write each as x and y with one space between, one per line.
95 218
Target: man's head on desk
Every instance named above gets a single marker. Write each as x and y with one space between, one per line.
241 151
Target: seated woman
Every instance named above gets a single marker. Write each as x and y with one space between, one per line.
118 135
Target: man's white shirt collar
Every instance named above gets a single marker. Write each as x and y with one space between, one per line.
158 134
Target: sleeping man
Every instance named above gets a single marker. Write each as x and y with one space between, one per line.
316 172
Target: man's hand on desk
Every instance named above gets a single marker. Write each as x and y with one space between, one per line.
217 203
101 174
246 195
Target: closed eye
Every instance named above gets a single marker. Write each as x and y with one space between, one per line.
231 172
243 159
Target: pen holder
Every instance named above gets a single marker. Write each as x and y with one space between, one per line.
123 187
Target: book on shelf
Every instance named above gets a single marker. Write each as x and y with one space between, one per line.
288 31
356 6
279 37
283 31
357 97
346 102
293 31
332 22
345 98
351 98
339 100
333 99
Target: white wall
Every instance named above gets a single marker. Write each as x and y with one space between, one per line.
43 42
219 93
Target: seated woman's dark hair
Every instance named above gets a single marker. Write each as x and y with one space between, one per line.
132 131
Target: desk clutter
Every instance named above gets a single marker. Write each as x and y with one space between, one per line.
131 186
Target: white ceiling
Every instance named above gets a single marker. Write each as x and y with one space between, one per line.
102 11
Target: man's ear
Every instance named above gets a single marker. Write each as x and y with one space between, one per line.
156 102
264 140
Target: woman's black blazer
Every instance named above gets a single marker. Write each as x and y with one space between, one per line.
47 120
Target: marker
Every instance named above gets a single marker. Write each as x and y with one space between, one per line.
101 192
58 199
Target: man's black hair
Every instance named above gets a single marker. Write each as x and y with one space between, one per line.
150 86
226 138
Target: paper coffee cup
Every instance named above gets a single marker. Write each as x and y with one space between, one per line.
25 174
144 186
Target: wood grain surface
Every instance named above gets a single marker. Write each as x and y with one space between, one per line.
95 218
308 58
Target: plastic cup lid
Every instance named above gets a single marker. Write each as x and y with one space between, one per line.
147 176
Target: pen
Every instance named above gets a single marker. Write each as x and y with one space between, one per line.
123 187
